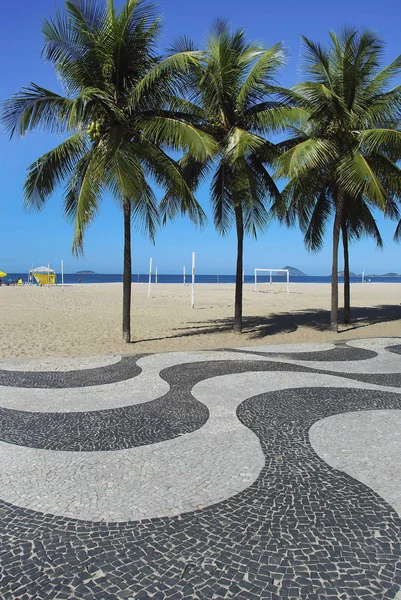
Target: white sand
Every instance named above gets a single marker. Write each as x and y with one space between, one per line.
85 320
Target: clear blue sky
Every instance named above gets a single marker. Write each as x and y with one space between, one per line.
41 237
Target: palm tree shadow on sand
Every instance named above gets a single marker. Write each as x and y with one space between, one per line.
287 322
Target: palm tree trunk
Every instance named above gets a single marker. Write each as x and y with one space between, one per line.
347 287
334 267
238 276
127 273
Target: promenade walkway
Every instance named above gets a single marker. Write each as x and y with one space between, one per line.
265 472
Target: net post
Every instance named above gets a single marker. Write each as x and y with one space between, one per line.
150 277
193 281
288 282
255 280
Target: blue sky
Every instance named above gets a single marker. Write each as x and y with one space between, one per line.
28 237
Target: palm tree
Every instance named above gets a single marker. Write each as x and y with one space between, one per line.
345 140
114 84
358 221
233 98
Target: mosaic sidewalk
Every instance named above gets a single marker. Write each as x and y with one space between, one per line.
265 472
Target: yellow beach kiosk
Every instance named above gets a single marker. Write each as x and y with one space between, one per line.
43 275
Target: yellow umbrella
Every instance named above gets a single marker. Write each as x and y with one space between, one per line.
2 274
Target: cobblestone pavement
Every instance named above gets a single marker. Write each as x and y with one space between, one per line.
255 473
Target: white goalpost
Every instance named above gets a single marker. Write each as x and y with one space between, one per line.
270 272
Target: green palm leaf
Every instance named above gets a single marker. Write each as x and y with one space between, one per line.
52 169
240 143
260 76
305 156
386 141
35 107
356 177
177 134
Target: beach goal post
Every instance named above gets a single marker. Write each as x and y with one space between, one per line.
268 276
193 281
150 277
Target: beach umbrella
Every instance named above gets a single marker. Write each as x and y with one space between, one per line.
2 274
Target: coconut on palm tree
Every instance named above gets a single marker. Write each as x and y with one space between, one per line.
341 158
115 85
232 93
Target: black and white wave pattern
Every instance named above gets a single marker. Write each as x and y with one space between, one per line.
193 476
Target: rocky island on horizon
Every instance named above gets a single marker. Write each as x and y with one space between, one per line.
294 272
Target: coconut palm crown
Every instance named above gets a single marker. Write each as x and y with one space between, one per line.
341 157
115 85
234 99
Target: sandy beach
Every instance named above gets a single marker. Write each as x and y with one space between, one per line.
85 320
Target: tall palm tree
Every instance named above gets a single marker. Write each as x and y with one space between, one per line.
345 141
358 221
233 98
114 84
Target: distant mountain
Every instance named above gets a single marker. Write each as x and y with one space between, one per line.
383 275
351 274
294 272
85 273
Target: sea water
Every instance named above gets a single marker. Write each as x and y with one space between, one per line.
83 278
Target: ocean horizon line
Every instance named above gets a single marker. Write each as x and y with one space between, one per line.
177 278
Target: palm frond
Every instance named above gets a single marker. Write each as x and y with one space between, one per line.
317 221
321 101
262 73
145 212
175 181
241 143
388 174
35 107
307 155
397 233
169 67
276 119
361 222
356 177
178 135
52 169
317 61
83 195
381 79
385 141
222 199
250 189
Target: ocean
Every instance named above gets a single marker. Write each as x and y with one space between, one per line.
73 278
